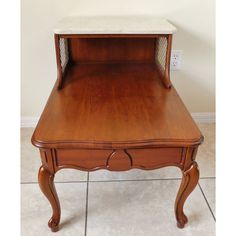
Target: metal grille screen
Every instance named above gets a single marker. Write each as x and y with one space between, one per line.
64 54
161 49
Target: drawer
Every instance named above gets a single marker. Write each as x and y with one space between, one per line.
118 160
83 158
151 158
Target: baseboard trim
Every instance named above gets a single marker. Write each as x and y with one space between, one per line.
205 117
29 122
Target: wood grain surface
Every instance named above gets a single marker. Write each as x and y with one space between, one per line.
115 105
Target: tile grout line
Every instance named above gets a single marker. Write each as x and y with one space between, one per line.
135 180
208 177
104 181
121 180
130 180
59 182
86 206
207 202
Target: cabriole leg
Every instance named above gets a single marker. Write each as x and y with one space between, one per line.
189 181
47 186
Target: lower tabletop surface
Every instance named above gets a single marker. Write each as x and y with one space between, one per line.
114 105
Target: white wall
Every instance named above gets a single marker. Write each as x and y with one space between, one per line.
196 31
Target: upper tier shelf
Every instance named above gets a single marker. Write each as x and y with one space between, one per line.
114 25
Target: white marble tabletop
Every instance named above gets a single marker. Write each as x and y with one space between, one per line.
114 25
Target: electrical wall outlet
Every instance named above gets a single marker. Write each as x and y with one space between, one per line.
176 58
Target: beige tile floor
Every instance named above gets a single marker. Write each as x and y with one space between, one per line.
119 203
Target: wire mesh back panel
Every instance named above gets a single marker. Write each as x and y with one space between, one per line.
160 54
64 54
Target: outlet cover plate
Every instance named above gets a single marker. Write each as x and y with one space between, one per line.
176 59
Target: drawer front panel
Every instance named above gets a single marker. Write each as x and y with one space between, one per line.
84 158
151 158
118 160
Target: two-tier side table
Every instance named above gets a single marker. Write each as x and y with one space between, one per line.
113 106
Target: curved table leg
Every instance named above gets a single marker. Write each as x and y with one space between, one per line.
47 186
189 181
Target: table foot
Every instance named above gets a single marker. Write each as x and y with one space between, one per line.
189 181
53 227
47 186
181 223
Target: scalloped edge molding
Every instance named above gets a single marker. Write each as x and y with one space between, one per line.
204 117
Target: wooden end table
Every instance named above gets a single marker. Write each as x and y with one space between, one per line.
113 106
